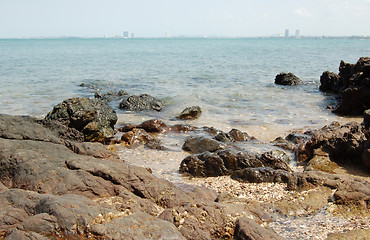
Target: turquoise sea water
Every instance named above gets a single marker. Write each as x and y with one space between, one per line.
231 79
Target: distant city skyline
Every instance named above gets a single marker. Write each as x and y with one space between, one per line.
165 18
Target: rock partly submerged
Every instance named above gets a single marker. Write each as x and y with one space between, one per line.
353 86
287 79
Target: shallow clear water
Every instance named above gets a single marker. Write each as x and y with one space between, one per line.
231 79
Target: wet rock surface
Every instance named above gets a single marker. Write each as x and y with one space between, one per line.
92 117
141 102
193 112
287 79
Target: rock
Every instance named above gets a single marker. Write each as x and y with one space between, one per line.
93 117
354 101
312 201
137 226
353 85
262 174
203 165
238 136
367 118
208 221
154 125
138 136
358 234
111 96
87 85
140 103
63 131
225 162
49 190
182 128
330 82
247 229
287 79
193 112
349 190
17 234
321 161
342 143
202 144
25 128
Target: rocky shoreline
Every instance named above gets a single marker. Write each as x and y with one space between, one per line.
72 175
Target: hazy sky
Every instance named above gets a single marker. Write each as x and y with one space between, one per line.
153 18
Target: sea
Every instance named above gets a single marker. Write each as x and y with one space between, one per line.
232 80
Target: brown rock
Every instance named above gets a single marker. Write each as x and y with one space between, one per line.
247 229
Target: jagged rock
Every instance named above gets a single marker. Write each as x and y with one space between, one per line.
225 162
353 85
93 117
141 102
193 112
287 79
247 229
330 82
342 143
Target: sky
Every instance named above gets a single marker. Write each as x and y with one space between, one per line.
153 18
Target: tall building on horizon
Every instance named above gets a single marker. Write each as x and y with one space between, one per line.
297 34
125 34
286 33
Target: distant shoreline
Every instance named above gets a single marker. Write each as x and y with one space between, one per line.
198 37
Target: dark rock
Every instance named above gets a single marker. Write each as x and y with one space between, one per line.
63 131
141 102
353 85
225 162
111 96
262 174
247 229
93 117
154 125
201 144
193 112
287 79
238 135
354 101
203 165
330 82
367 118
342 143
